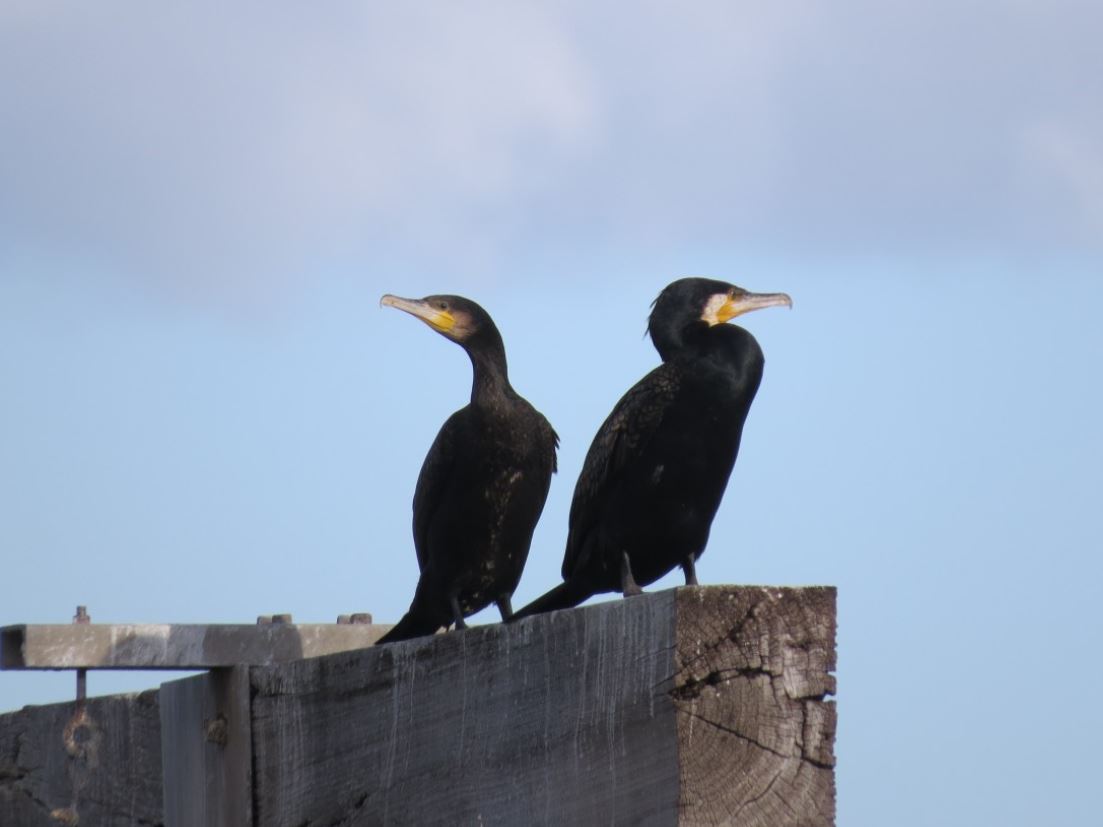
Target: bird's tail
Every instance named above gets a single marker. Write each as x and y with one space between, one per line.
563 596
413 624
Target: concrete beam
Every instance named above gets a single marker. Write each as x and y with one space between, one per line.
176 646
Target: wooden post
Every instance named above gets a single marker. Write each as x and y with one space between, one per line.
756 731
691 706
206 746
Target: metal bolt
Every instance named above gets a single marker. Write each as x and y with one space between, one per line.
265 620
82 618
216 730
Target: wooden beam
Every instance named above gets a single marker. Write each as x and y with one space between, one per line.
694 706
176 646
756 731
704 705
206 749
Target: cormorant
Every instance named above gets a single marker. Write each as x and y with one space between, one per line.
483 483
658 466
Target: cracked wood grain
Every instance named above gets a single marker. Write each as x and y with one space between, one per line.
756 727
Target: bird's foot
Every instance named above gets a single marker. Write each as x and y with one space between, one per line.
457 613
690 569
628 585
505 608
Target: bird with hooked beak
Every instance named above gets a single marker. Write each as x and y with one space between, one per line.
656 471
482 485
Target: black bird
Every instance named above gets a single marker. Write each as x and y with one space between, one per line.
658 466
483 483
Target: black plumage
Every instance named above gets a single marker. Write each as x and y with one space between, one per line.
658 466
482 486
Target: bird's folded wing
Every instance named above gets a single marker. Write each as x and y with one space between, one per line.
432 482
625 433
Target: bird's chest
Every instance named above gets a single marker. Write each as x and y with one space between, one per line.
490 469
695 448
705 416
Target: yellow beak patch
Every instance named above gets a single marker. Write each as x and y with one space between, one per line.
722 307
439 320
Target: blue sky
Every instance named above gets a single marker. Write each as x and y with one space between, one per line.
207 417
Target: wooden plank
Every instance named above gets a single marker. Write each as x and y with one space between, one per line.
558 719
206 750
692 706
93 764
176 646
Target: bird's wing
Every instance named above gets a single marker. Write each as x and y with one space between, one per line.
551 440
628 428
432 482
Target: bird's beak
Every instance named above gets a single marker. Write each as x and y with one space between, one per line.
440 320
737 303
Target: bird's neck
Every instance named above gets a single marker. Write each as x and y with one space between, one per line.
490 379
726 347
680 341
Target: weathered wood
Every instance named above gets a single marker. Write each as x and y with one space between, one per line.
97 764
691 706
207 750
176 646
756 732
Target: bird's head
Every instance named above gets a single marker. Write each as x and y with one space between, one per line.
694 303
453 317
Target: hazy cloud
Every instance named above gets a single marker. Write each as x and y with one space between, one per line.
208 144
215 140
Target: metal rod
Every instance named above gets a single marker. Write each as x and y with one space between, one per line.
83 619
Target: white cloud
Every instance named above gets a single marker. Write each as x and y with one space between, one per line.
232 145
1071 163
205 139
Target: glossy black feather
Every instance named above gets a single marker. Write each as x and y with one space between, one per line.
479 495
657 469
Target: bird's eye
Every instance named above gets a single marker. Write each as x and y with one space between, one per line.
442 305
